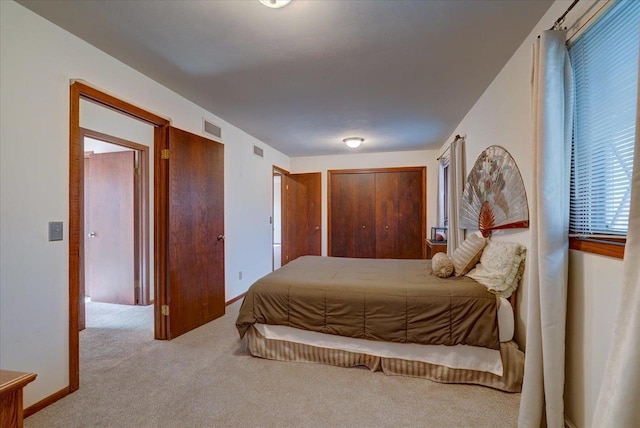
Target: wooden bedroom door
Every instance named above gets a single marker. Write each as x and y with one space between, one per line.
109 227
195 234
303 215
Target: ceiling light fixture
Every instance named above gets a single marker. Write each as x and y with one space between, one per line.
353 142
275 4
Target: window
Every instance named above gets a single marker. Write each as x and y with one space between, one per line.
443 192
605 66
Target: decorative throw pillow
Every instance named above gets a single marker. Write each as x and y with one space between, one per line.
501 267
465 257
441 265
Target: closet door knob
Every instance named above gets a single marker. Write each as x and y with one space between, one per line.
386 227
92 235
220 237
364 227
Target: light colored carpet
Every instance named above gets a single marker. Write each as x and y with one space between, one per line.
206 378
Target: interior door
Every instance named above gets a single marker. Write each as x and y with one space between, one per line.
410 210
109 240
195 233
341 218
304 235
387 214
364 227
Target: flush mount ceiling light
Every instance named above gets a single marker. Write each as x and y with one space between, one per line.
275 4
353 142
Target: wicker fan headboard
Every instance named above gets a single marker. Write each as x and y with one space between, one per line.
494 196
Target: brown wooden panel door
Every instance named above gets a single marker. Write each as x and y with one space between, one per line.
341 217
109 228
304 214
387 214
364 225
410 215
295 208
195 231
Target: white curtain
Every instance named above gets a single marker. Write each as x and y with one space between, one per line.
455 235
440 208
543 387
619 399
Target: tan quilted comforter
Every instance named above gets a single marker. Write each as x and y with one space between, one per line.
388 300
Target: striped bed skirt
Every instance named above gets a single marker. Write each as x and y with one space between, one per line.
281 350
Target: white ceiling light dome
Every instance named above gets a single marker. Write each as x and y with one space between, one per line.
275 4
353 142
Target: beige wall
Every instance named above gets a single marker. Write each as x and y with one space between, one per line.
37 62
595 286
371 160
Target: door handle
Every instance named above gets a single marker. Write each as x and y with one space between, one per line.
91 234
317 227
220 237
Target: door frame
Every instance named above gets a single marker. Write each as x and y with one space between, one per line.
141 210
276 170
80 90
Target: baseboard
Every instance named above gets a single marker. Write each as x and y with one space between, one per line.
34 408
568 423
235 299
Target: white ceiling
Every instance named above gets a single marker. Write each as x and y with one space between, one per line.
401 74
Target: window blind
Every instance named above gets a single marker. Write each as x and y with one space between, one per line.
605 66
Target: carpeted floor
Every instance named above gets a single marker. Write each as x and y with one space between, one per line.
206 378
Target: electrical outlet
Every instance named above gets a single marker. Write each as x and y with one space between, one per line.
240 275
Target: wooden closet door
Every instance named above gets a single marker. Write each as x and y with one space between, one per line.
352 219
386 211
341 219
364 226
411 200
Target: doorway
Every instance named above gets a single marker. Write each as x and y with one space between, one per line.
116 221
82 93
188 201
296 215
277 218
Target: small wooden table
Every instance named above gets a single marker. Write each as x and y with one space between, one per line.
11 384
434 247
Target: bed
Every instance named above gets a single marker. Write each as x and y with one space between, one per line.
389 315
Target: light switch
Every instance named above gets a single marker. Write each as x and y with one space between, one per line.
55 231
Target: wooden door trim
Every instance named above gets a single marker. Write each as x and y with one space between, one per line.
422 169
376 170
275 170
79 91
143 190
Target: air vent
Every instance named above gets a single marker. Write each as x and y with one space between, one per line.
211 129
258 151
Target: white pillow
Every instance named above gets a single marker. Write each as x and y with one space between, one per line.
501 267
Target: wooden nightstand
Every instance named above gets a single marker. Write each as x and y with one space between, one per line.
11 384
434 247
